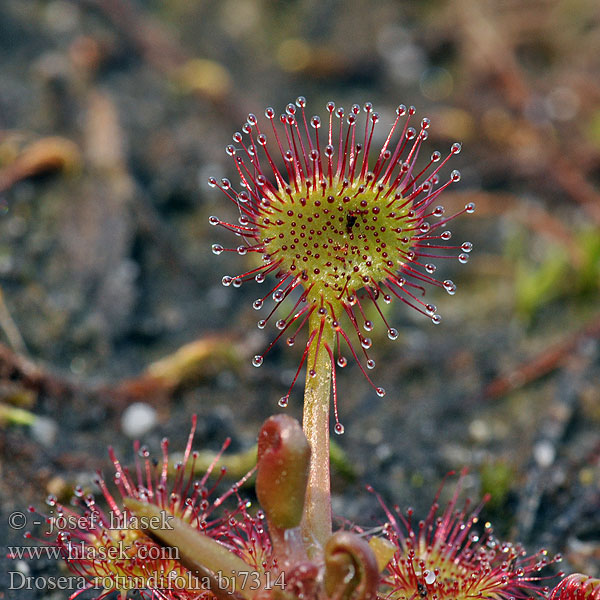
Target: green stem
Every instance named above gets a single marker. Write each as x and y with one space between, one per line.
316 523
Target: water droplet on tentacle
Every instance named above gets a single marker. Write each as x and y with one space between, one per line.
449 286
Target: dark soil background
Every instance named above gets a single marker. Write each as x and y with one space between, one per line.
113 113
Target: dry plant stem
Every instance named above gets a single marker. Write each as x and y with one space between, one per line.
316 525
547 361
18 369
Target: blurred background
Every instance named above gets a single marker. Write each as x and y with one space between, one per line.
114 324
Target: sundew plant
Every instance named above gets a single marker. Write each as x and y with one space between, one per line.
338 228
350 226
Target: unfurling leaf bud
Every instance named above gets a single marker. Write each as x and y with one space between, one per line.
351 570
283 457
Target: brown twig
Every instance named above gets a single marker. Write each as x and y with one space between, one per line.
47 155
31 376
191 362
544 363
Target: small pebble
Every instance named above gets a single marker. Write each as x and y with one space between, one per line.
544 454
138 419
479 431
22 567
374 435
44 431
